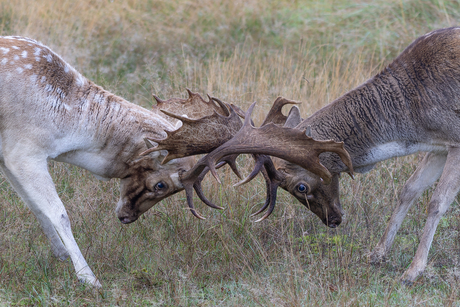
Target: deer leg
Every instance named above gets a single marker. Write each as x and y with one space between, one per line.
57 246
444 194
35 186
426 174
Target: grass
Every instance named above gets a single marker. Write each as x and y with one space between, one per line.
309 51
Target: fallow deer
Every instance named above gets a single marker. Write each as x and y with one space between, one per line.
48 110
412 106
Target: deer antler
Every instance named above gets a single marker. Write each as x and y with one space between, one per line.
220 134
286 143
194 106
263 163
290 144
275 115
200 135
217 122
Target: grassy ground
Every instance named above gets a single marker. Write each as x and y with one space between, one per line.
239 51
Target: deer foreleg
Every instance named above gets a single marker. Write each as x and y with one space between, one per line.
444 194
57 246
426 174
33 183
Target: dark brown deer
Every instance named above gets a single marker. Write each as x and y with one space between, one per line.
412 106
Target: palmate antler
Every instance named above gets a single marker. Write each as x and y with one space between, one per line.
212 123
195 107
198 136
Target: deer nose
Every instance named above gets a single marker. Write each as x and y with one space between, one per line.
334 221
126 220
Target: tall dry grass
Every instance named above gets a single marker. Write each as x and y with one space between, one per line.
239 51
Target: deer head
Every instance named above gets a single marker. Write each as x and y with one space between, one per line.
205 126
310 189
147 183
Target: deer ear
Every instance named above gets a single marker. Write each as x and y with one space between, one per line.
293 118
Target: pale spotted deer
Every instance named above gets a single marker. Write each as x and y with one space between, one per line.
48 110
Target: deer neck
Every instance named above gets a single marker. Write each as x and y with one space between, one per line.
375 121
108 132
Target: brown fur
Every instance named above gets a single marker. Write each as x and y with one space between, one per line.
412 105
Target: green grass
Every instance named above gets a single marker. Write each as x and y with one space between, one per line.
312 51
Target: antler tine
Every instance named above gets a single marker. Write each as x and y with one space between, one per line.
268 199
275 115
158 100
258 167
271 200
224 107
191 180
273 179
189 196
188 179
238 111
211 102
199 190
190 93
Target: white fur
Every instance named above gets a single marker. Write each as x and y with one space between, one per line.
49 119
399 149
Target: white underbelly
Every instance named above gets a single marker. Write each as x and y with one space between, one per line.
398 149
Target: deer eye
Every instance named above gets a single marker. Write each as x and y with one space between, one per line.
302 188
160 186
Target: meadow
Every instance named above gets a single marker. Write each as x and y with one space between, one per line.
240 52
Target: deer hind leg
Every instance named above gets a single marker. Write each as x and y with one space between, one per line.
426 174
57 246
444 194
35 186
